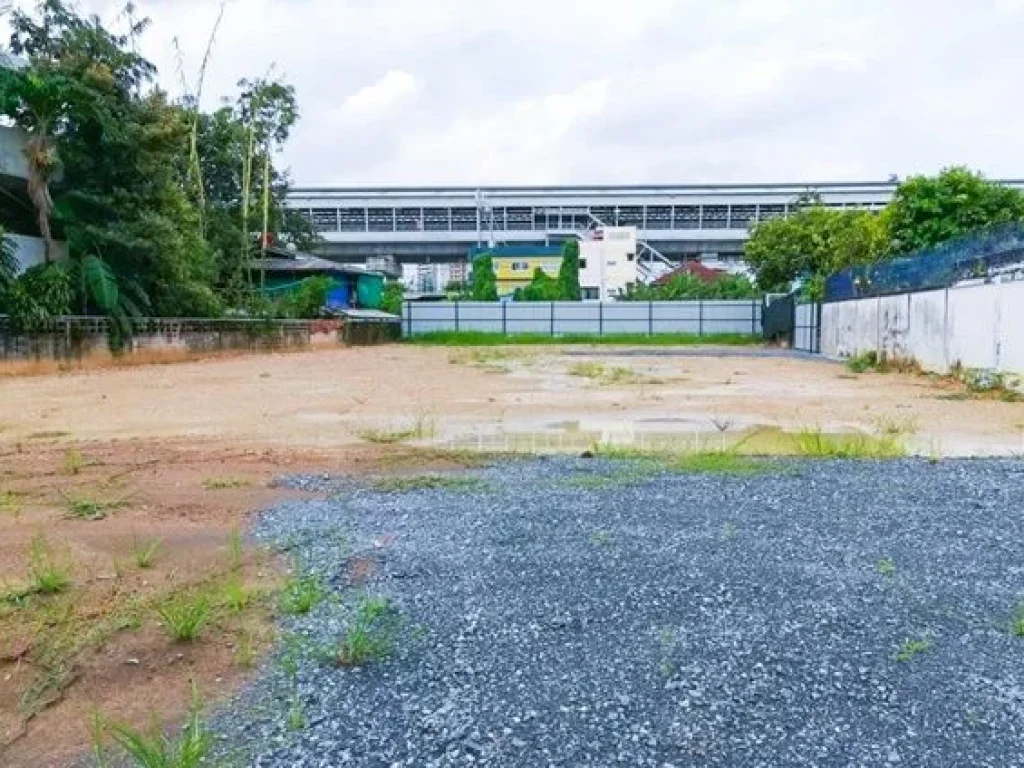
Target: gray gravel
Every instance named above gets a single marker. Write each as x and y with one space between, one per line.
667 620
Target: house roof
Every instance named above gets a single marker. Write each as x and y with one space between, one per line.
695 268
287 261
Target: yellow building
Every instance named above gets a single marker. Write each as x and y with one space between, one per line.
514 265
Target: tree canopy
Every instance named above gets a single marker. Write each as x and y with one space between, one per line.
484 283
152 195
815 241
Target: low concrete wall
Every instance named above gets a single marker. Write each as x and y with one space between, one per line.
80 337
976 326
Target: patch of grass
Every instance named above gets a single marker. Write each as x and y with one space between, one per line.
144 552
225 483
370 635
234 595
11 503
185 616
715 462
601 537
154 748
1017 622
245 650
813 443
48 574
912 648
610 376
429 482
421 427
236 551
485 339
81 506
301 595
882 363
74 462
730 530
886 566
636 472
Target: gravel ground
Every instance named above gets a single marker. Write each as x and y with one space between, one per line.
567 612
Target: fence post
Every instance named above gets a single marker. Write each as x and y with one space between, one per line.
753 317
650 318
456 315
600 318
700 317
552 318
408 318
504 320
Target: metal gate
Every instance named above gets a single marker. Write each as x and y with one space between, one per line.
796 324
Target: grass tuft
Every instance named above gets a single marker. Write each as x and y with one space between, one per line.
1017 622
912 648
74 462
47 574
371 634
813 443
301 595
429 482
886 566
144 552
153 748
84 507
225 483
185 616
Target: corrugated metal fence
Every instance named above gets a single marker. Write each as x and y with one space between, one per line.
558 318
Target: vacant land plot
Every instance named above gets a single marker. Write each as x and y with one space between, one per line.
126 571
834 613
499 397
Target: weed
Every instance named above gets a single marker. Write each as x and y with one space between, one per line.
225 483
301 595
720 463
1017 622
370 635
813 443
10 503
730 530
185 616
587 370
609 377
153 748
891 426
421 427
429 482
145 552
601 538
82 507
911 648
235 595
235 549
886 566
862 362
245 651
47 575
74 462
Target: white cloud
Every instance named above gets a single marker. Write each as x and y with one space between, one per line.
380 98
567 91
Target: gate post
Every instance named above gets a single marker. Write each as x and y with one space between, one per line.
456 315
700 317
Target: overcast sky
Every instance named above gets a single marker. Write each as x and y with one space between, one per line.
414 92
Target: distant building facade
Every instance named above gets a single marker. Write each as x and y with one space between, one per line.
608 263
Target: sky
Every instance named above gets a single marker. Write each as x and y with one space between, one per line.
478 92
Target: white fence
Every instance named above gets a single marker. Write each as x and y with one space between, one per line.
702 318
979 326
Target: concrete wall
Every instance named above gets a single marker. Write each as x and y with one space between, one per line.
977 326
562 317
29 250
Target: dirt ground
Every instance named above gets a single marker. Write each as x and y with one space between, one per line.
339 397
181 454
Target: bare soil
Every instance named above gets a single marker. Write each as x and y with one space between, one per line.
186 452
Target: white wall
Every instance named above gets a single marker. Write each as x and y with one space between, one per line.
977 326
29 250
609 264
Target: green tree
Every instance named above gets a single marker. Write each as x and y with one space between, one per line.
685 286
813 241
541 288
392 298
484 284
569 272
929 210
307 299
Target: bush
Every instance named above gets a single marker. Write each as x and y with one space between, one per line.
392 298
308 299
38 295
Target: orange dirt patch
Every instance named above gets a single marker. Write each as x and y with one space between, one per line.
99 646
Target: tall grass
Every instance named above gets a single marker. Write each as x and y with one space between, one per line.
485 339
813 443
